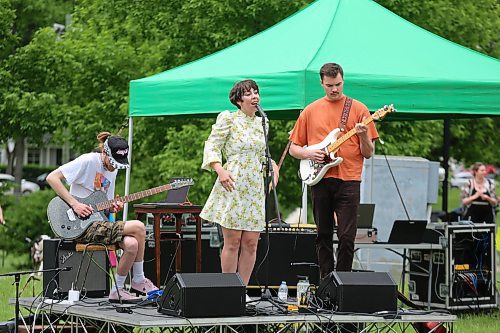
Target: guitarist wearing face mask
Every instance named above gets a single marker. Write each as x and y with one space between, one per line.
91 173
335 180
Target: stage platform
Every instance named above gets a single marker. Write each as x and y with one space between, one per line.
98 315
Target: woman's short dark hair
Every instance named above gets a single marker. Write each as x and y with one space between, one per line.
331 69
239 89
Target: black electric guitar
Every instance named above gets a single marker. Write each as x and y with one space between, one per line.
67 224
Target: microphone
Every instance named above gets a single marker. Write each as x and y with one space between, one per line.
260 111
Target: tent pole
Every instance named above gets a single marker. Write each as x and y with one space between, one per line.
446 157
128 170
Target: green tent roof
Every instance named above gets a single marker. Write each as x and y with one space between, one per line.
386 59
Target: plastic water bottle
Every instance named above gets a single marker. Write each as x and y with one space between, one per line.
283 292
303 291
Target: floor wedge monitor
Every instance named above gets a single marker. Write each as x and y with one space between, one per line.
194 295
359 292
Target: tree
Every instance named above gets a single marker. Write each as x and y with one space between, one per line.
28 69
30 105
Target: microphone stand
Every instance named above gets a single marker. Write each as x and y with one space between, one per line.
269 179
17 280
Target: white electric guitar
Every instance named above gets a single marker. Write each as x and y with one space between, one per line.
311 172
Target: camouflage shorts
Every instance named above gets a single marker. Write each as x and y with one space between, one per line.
103 232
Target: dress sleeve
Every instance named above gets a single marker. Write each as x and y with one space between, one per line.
216 140
491 183
466 190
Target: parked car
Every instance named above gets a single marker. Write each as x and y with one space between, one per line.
460 179
42 180
27 187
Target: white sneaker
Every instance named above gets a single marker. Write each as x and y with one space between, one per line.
248 299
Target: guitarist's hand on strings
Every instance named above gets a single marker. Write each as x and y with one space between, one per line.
81 209
361 128
117 205
366 145
317 155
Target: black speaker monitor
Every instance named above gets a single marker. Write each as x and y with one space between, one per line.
359 292
194 295
59 253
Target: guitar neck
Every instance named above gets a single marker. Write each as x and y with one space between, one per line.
345 137
134 196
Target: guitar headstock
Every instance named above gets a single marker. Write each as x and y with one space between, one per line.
382 112
181 182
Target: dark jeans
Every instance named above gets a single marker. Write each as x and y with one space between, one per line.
329 196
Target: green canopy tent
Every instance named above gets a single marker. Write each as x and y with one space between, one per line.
386 60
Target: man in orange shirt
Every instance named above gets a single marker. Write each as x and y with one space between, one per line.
338 192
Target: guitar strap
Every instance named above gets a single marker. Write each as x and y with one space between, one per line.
283 155
345 113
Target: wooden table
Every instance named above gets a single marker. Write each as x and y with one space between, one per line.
158 209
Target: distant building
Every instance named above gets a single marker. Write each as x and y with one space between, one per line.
54 155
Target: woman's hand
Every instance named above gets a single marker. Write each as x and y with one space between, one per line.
226 179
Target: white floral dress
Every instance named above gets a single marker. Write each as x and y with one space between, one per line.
240 139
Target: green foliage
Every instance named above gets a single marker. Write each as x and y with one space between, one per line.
476 140
76 85
7 15
26 218
471 23
182 157
409 138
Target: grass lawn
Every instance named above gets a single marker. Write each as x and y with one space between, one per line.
8 264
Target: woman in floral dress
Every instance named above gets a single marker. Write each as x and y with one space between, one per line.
237 198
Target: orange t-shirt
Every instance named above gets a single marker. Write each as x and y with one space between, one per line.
321 117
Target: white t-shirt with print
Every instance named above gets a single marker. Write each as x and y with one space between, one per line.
86 175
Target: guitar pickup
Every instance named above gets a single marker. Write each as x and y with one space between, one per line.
71 215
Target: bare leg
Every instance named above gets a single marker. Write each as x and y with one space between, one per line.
230 250
134 237
136 229
130 246
248 253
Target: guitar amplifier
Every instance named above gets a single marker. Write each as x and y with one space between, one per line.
91 282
